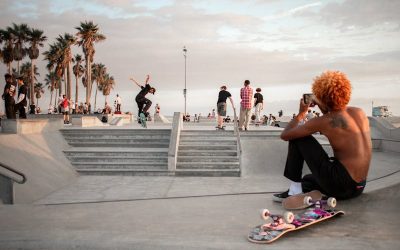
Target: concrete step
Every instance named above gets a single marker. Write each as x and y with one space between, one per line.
207 165
207 147
208 172
210 153
216 133
207 142
119 165
116 140
260 133
119 144
123 159
196 159
137 172
132 154
119 137
114 131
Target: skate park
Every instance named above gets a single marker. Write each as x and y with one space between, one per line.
62 205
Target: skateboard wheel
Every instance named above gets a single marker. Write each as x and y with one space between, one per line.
331 202
265 214
288 217
308 201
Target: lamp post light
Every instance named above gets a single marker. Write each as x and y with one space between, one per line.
185 90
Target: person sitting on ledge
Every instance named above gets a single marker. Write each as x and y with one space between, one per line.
347 129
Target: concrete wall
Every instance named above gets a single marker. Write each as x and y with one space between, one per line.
39 156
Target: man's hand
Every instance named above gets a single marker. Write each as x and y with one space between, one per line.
303 108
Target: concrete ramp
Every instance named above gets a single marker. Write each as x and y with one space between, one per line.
40 158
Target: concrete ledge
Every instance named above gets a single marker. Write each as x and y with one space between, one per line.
126 119
174 141
30 126
87 121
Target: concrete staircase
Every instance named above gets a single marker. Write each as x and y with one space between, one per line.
118 151
207 153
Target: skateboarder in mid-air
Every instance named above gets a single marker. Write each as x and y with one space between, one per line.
347 129
143 103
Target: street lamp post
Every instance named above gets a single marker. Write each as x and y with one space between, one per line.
185 90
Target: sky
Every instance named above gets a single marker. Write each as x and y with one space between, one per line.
279 45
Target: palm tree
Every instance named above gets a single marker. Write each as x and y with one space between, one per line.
52 82
54 56
20 33
35 38
78 72
99 72
88 34
39 90
7 51
26 72
65 43
107 85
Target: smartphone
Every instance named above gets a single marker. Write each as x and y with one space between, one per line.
308 98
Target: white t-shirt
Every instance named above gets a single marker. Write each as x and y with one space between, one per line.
119 100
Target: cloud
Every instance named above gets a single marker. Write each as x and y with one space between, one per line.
360 14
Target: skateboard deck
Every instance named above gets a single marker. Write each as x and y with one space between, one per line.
270 232
297 201
142 118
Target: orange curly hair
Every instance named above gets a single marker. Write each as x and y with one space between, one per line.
333 89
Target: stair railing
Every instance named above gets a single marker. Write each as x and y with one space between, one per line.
8 176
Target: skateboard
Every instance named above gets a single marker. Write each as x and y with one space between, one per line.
279 225
142 119
297 201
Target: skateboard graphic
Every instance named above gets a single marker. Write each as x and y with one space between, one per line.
142 119
278 225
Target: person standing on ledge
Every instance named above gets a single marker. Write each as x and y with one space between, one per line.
142 102
21 102
221 105
8 97
347 129
258 105
246 94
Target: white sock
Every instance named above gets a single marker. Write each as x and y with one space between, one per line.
295 188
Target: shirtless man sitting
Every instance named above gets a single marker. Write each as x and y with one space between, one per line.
347 129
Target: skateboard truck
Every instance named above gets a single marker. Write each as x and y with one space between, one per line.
321 204
278 221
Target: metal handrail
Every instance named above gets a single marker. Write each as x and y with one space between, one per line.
20 181
236 129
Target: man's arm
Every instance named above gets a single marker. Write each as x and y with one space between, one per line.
20 98
230 99
147 79
293 131
138 84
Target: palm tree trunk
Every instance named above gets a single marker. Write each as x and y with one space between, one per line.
32 94
87 79
9 68
76 92
51 97
65 84
69 93
18 67
55 99
95 96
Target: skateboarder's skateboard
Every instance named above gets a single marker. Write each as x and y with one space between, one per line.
142 119
279 225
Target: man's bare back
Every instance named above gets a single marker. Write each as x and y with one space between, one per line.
349 135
